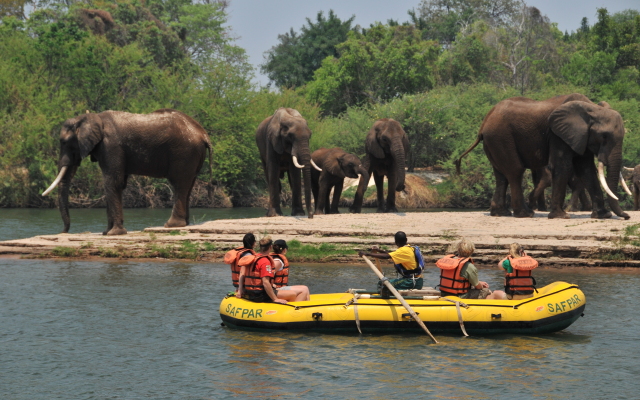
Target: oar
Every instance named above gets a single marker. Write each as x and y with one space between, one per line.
399 297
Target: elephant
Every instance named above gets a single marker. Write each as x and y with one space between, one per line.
163 144
387 147
563 133
283 139
336 165
635 180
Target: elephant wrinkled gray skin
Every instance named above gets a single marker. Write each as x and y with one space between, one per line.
336 165
386 148
283 141
163 144
565 133
635 180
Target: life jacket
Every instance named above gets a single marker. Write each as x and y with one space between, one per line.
252 280
412 273
520 280
281 278
232 257
450 279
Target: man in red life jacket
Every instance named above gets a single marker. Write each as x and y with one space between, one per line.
406 259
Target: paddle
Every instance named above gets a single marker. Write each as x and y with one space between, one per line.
397 295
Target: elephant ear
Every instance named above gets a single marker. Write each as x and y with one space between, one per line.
276 125
570 122
372 144
335 168
89 133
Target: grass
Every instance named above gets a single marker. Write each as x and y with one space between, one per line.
310 252
185 250
62 251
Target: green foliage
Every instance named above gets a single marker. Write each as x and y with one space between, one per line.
376 66
61 251
293 61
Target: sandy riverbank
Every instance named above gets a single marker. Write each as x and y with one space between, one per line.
579 241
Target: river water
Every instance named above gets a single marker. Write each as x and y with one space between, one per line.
118 329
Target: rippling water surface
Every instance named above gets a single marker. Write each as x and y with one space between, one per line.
133 330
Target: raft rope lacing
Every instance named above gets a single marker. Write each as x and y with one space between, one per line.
458 303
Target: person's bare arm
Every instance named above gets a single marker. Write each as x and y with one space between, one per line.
266 282
240 292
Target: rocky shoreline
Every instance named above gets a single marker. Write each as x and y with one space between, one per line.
577 242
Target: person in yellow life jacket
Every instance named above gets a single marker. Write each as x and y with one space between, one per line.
518 282
407 260
459 277
232 258
257 285
281 274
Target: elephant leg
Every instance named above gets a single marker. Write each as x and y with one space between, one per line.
295 180
113 187
356 206
273 183
337 192
327 199
561 166
541 181
315 189
498 207
323 194
520 208
391 192
379 180
586 171
180 213
636 196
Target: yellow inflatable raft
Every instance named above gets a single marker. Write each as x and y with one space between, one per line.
553 308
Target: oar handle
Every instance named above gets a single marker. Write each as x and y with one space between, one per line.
397 295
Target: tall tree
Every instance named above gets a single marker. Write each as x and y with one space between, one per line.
382 63
292 62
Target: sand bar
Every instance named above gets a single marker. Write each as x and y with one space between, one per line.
579 241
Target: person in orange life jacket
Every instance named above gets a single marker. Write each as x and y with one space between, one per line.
281 274
408 263
518 282
237 272
462 279
259 275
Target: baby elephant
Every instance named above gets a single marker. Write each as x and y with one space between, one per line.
336 165
635 180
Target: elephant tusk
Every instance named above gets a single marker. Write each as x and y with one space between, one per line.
295 162
55 183
627 169
315 166
603 182
624 185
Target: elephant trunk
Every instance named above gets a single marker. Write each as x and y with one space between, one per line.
362 173
614 166
63 196
397 153
300 153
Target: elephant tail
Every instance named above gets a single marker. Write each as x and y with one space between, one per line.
459 160
210 148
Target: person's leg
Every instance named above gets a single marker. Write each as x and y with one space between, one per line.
302 292
288 295
497 295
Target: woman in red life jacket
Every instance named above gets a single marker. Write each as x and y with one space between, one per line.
459 277
257 284
518 282
281 274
